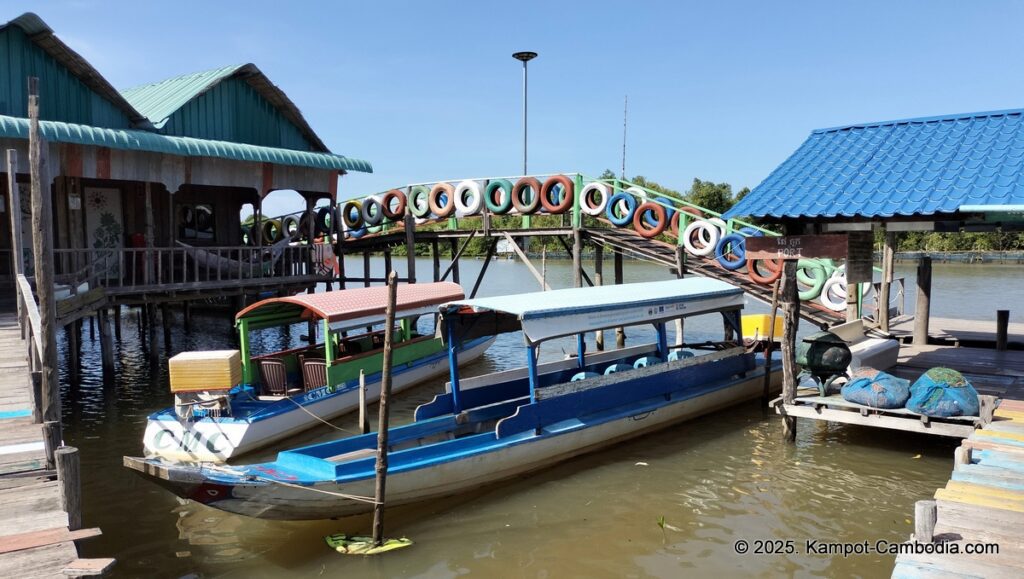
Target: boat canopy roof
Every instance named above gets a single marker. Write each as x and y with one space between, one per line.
350 308
551 314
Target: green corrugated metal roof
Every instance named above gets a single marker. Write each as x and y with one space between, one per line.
159 100
225 103
136 140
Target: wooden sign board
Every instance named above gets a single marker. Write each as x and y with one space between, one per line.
860 257
830 246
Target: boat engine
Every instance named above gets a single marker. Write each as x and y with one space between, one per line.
824 357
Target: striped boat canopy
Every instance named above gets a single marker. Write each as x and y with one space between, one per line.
351 308
551 314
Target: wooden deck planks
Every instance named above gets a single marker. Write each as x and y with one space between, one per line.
983 502
957 330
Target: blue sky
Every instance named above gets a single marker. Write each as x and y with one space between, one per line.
428 90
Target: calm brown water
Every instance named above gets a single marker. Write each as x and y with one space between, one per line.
715 480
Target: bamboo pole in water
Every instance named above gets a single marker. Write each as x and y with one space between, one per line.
382 425
791 318
771 342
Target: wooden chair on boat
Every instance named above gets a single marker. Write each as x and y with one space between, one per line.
314 373
274 377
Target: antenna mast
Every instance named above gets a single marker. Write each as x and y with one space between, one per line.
625 110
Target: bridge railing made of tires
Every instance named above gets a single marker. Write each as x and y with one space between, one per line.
702 233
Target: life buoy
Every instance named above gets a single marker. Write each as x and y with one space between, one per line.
519 192
669 208
469 198
352 214
324 220
707 234
816 281
548 192
737 248
373 211
418 201
774 267
396 213
442 200
498 196
290 225
588 204
270 230
642 223
621 208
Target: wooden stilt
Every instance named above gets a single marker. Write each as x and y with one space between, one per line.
790 312
436 256
577 257
382 425
73 333
53 437
455 258
106 345
387 263
117 323
68 475
620 332
366 269
923 309
768 347
598 335
151 348
483 269
166 319
92 328
925 517
364 418
680 262
1002 327
888 255
410 247
186 316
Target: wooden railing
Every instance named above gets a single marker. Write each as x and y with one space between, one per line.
186 266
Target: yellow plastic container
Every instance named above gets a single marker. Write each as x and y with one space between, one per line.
208 370
755 326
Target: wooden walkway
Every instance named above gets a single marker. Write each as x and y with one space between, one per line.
989 371
34 536
955 331
983 502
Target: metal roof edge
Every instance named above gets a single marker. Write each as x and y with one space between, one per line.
931 119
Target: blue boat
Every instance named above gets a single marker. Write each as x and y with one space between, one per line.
494 427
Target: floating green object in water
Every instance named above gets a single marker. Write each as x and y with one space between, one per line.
362 545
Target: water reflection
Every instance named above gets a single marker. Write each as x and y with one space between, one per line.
714 480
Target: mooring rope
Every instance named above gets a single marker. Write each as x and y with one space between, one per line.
301 407
250 476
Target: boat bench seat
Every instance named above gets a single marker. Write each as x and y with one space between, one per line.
352 455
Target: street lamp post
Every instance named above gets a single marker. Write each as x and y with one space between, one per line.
524 57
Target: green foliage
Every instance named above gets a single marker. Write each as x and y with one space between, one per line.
714 196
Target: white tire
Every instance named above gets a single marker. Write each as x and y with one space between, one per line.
833 294
720 224
708 235
474 193
639 193
599 190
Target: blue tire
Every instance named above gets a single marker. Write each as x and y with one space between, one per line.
739 249
623 220
357 233
669 211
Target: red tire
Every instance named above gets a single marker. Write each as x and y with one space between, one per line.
399 211
567 194
524 207
641 225
434 200
774 267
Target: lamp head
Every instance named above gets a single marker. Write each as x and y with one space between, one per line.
524 56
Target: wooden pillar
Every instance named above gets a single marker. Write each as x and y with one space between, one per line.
387 263
147 260
680 262
791 319
620 332
888 256
923 309
577 258
151 348
117 323
455 259
925 516
186 315
366 269
410 247
436 255
73 333
166 319
852 299
69 479
1002 328
106 344
492 247
42 246
599 334
383 425
53 435
14 201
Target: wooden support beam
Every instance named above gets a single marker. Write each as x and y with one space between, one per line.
366 269
14 202
53 436
117 323
150 241
106 344
186 315
888 257
577 271
790 300
68 475
453 267
922 310
680 262
577 258
410 247
483 270
526 260
42 246
436 256
1002 327
620 332
387 262
166 319
73 335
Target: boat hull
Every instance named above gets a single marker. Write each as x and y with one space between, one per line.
281 499
210 440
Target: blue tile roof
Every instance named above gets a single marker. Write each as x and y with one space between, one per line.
921 166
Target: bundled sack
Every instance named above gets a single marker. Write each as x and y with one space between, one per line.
943 392
875 389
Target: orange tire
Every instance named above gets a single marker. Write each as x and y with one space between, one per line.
642 226
774 267
567 194
434 200
524 207
399 211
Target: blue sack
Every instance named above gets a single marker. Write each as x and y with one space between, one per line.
877 390
943 392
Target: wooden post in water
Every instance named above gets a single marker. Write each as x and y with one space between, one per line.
766 395
455 259
791 319
387 262
382 425
680 262
888 257
410 247
117 323
620 332
166 319
577 257
73 334
925 515
598 281
42 248
366 269
69 478
53 435
186 316
151 350
922 310
364 419
1002 327
106 344
436 256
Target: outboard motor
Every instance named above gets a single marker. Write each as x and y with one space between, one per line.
824 358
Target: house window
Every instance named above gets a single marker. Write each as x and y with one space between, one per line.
195 221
